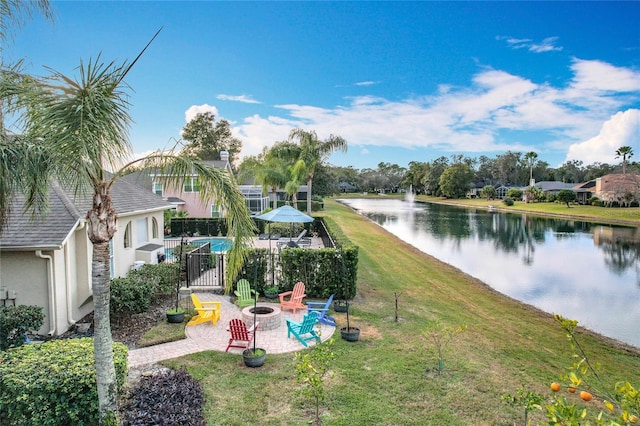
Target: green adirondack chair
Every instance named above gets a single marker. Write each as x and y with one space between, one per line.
244 294
299 329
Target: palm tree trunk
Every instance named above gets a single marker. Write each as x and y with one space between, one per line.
101 228
102 340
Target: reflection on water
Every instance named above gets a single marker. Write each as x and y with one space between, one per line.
585 271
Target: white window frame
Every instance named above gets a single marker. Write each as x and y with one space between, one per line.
191 184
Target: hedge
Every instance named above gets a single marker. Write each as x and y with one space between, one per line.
53 383
15 321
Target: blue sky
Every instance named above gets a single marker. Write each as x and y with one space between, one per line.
399 81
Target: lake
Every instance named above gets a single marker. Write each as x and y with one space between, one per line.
585 271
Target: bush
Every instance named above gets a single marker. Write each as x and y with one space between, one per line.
167 398
515 194
551 197
163 275
15 321
54 383
131 295
593 201
508 201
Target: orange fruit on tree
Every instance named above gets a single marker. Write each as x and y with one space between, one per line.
571 389
586 396
555 386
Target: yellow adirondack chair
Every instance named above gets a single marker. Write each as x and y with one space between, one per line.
294 302
244 294
205 311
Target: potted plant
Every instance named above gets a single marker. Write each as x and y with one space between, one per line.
175 315
271 291
340 305
348 333
254 357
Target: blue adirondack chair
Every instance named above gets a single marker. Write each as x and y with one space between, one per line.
299 329
322 308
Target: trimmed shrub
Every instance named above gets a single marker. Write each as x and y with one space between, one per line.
54 383
508 201
166 398
515 193
131 295
15 321
164 275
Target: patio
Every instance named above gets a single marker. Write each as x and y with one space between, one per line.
205 337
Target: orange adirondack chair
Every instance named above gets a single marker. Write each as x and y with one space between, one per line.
241 336
206 311
294 302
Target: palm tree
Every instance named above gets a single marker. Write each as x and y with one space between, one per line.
306 154
81 128
270 171
625 152
530 158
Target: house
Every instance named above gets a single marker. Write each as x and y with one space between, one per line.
554 187
622 188
187 197
47 262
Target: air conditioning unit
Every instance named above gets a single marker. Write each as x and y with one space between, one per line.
150 253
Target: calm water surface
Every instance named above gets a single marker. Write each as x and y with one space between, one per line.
584 271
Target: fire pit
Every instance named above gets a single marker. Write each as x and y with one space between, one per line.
269 316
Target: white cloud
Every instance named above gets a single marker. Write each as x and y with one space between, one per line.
546 45
479 118
367 83
622 129
241 98
601 76
194 110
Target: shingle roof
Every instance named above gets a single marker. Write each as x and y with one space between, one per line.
65 212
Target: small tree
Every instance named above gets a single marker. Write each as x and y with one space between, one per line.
566 196
311 367
488 192
442 336
526 399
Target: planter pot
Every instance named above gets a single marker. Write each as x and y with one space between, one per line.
350 334
271 295
175 318
250 360
340 306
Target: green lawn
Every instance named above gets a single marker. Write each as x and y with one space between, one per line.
387 378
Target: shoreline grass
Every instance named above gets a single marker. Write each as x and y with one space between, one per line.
387 378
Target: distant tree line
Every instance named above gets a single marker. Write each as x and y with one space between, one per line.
452 176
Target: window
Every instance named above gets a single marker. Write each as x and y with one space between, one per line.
142 234
215 210
191 185
154 228
127 236
157 188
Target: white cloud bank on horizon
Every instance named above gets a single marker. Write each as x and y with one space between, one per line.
622 129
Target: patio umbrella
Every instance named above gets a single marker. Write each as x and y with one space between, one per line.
285 214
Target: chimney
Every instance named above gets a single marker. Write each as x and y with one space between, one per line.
224 156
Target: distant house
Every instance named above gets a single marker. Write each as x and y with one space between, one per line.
346 187
622 188
554 187
48 262
188 197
